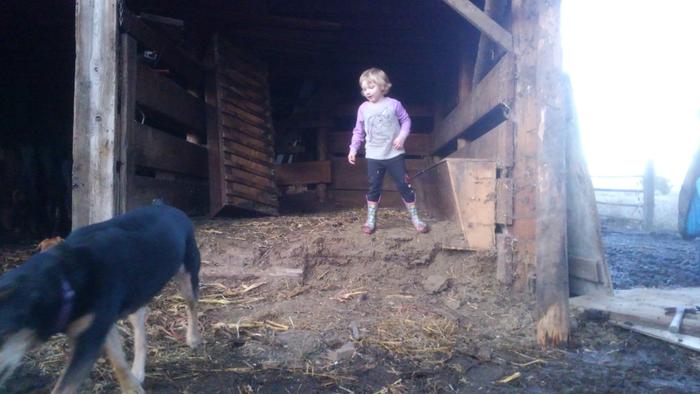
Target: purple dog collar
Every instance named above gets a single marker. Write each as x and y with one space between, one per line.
67 295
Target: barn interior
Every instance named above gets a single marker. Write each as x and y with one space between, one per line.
291 92
36 109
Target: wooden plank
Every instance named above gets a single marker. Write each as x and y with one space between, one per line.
504 201
474 189
234 122
258 120
310 172
157 149
482 22
251 107
180 60
260 145
234 203
190 196
584 268
94 113
251 193
496 88
246 152
248 165
127 89
496 144
644 306
440 206
237 175
167 98
231 91
354 177
417 144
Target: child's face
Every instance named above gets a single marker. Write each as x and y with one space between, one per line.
372 91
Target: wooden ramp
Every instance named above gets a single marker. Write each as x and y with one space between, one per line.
464 191
644 310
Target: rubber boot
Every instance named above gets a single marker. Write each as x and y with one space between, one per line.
371 223
418 224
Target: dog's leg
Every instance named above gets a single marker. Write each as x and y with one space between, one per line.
138 322
194 338
13 350
87 348
127 381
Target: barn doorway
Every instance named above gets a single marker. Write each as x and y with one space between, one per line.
38 49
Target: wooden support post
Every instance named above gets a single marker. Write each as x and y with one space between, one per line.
95 112
324 130
540 160
127 87
649 175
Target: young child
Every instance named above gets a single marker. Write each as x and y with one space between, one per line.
383 125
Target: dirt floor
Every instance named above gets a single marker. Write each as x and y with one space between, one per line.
309 304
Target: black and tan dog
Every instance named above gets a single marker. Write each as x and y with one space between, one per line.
83 285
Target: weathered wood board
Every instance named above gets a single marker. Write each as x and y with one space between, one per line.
462 190
645 307
239 133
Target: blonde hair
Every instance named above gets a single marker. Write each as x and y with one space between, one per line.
378 77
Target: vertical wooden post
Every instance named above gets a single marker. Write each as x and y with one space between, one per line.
541 133
649 175
127 87
217 191
95 111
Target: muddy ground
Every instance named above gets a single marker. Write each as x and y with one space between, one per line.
309 304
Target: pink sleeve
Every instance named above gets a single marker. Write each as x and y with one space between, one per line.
404 120
358 133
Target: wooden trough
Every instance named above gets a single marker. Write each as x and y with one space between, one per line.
465 190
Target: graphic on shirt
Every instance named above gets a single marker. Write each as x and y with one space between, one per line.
381 128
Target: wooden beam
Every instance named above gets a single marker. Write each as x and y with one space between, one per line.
95 112
496 89
164 96
157 149
483 22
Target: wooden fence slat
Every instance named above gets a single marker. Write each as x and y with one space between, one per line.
167 98
174 56
157 149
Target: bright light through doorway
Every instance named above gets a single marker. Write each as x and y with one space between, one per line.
635 70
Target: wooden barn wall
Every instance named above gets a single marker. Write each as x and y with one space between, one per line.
162 126
240 133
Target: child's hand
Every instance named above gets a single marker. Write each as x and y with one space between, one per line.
351 158
398 143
